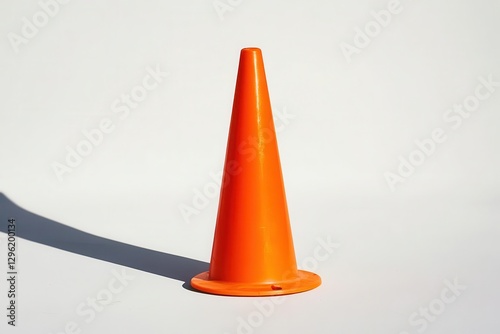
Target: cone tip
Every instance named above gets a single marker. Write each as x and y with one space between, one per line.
251 50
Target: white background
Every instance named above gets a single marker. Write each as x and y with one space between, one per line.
351 122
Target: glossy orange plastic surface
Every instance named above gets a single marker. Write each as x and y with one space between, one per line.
253 252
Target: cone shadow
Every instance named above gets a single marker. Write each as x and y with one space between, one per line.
51 233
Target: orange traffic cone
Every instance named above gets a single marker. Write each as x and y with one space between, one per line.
253 253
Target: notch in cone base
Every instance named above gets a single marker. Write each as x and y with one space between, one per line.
304 281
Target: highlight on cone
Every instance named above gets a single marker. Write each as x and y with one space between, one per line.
253 252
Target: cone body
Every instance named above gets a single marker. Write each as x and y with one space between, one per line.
253 252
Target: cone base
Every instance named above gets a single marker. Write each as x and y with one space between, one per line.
305 281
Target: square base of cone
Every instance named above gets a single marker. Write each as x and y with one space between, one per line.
304 281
